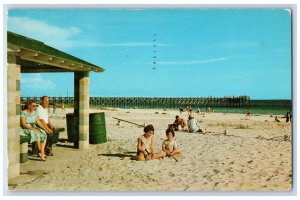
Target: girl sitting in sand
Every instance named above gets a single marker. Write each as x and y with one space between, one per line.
145 146
169 146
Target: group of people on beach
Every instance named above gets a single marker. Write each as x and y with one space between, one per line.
36 124
287 116
189 109
145 144
191 125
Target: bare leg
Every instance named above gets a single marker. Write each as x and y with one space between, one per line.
177 154
141 156
159 155
42 149
38 145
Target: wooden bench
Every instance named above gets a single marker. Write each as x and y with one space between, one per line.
24 141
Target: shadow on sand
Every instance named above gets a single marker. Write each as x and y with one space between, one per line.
34 157
63 140
66 146
130 155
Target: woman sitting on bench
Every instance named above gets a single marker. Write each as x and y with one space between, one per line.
29 126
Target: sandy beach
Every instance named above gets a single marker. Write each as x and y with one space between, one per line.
254 155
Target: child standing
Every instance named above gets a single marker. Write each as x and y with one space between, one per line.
169 146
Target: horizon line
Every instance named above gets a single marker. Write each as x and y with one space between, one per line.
59 96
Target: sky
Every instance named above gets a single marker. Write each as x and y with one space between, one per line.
164 52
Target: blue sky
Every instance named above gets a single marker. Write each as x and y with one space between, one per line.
199 53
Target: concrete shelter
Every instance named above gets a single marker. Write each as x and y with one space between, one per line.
26 55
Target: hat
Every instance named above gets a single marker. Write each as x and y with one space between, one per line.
191 116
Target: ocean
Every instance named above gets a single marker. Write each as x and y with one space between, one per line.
272 107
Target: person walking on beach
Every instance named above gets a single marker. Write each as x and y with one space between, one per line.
145 146
54 107
30 126
52 133
248 113
199 110
169 146
180 110
287 116
209 110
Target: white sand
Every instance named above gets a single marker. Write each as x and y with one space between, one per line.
242 160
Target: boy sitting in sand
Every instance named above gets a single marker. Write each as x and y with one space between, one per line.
145 146
180 124
169 146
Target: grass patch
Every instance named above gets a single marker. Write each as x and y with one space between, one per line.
226 125
223 124
242 126
283 124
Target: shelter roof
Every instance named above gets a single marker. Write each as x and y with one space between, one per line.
35 56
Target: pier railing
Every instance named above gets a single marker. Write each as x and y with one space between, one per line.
154 102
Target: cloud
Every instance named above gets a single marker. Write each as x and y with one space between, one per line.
193 62
55 36
36 81
61 38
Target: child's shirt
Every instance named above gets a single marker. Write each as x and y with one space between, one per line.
146 143
169 145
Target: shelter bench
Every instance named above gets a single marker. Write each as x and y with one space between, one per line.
24 141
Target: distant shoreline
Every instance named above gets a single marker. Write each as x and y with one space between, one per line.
270 107
253 110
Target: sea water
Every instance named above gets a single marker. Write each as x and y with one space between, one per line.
275 107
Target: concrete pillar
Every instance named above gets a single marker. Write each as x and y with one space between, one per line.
24 152
76 109
81 107
13 116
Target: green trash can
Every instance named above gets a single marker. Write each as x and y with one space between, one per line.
97 133
97 129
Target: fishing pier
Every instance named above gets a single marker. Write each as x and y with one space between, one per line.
154 102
